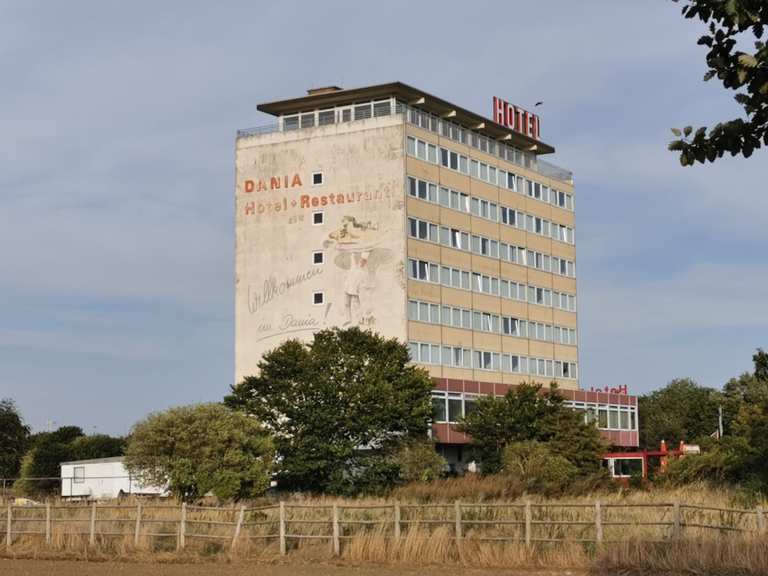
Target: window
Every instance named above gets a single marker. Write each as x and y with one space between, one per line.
318 298
325 117
318 257
291 123
317 178
439 412
78 474
455 411
317 218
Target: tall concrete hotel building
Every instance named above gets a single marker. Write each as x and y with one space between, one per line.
388 208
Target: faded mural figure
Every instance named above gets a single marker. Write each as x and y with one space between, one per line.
354 284
359 256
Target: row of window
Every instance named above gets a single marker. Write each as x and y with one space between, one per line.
339 115
432 313
501 150
455 238
451 407
488 173
461 202
425 271
459 357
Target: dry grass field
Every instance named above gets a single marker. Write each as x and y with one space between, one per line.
684 531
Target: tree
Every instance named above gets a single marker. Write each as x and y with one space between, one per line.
339 407
96 446
526 413
538 467
13 439
419 461
682 410
199 449
729 21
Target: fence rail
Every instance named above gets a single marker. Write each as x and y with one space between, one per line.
286 523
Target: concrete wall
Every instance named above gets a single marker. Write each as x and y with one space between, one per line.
362 237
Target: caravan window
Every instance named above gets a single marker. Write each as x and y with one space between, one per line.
78 474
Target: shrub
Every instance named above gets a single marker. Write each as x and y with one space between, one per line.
538 467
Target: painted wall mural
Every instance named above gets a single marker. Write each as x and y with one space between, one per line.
361 238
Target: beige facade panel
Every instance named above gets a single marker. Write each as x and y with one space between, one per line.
483 190
541 349
538 208
517 346
486 303
457 337
514 272
456 297
455 219
486 341
540 314
487 266
458 373
422 332
485 227
563 318
420 169
564 217
424 291
456 258
420 209
425 135
569 353
487 376
455 180
538 243
512 236
423 250
564 284
362 236
563 250
514 308
539 278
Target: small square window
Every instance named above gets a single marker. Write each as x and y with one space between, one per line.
318 298
78 474
317 178
317 218
318 257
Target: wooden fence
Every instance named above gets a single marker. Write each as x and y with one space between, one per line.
287 523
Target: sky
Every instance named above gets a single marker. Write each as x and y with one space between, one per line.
117 129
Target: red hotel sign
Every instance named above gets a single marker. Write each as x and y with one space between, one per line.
515 118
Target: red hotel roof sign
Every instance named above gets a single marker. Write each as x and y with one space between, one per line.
515 118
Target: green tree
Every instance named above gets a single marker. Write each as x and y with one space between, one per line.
96 446
682 410
339 407
526 413
732 24
202 448
14 435
538 467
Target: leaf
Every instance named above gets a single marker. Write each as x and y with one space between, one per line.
677 132
675 145
687 131
709 75
747 60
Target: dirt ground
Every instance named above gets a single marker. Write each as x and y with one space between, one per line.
80 568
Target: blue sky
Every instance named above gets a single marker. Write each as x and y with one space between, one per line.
116 189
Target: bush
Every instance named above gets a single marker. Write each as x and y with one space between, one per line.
419 462
537 467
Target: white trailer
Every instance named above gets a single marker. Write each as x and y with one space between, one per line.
103 478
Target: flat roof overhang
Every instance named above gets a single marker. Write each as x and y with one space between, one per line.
412 97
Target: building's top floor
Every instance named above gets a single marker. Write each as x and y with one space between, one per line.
332 105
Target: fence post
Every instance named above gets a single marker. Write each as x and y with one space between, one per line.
239 525
336 532
397 519
92 537
9 525
457 508
760 520
528 520
181 542
47 522
676 524
598 522
137 528
282 528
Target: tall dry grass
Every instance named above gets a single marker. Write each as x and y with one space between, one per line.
493 535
